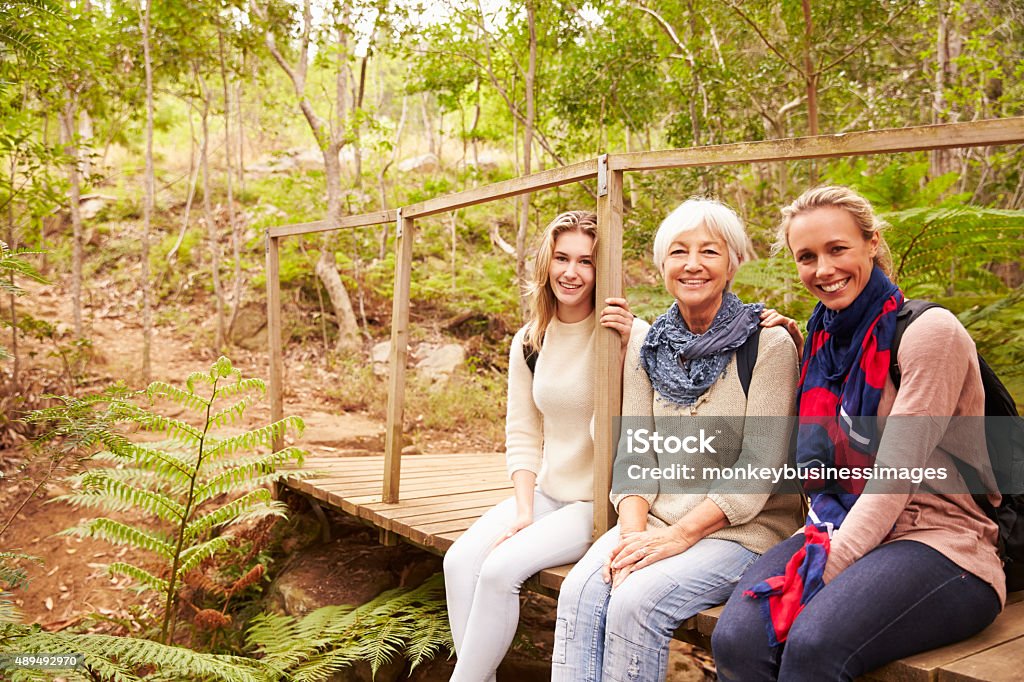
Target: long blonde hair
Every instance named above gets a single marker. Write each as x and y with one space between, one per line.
543 304
837 196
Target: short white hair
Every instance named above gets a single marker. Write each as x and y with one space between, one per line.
721 221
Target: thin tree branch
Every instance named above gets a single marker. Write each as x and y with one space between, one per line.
764 38
669 31
868 37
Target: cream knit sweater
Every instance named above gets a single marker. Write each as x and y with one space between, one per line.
757 520
549 425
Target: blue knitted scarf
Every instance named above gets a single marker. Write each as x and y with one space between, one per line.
682 365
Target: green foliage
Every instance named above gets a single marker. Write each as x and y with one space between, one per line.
473 402
400 622
11 578
127 659
18 38
179 481
124 659
998 330
13 264
951 247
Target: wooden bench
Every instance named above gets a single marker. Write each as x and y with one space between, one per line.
994 655
442 495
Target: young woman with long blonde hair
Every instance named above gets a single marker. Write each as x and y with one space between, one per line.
549 450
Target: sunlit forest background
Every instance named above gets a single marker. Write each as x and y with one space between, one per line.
145 147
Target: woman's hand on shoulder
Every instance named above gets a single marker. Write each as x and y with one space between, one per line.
617 315
771 317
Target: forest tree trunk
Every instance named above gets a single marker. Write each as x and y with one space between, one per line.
524 210
68 119
810 73
330 142
147 313
326 269
211 223
236 237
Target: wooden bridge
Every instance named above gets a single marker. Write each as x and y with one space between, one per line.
429 500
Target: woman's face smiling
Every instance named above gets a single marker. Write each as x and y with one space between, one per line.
832 256
571 276
696 273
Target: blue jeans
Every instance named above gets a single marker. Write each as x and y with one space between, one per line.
899 599
624 636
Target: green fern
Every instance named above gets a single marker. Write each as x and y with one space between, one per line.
11 578
106 657
178 480
951 247
128 659
402 622
12 262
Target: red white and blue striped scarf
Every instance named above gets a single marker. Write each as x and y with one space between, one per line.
845 364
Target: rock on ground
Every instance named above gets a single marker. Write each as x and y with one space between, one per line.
426 163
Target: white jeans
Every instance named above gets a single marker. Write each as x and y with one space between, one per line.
482 586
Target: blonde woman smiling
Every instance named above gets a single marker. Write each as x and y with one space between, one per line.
549 450
881 571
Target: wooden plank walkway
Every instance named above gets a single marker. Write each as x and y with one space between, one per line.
442 495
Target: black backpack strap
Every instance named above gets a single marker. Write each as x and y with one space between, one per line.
746 358
530 354
911 310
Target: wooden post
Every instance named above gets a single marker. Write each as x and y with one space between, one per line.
608 395
399 354
274 333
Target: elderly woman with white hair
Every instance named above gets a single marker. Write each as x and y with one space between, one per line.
705 365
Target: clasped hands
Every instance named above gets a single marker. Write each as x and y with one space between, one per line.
637 549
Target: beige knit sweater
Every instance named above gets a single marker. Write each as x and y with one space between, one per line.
757 520
549 424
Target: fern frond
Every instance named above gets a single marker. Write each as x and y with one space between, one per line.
205 377
186 399
222 369
238 387
250 440
384 643
156 457
271 633
321 667
328 621
400 621
147 479
226 513
9 613
118 533
297 455
114 658
432 634
150 421
284 643
245 473
139 575
114 495
194 555
228 415
14 576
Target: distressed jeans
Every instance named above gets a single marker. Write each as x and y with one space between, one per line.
897 600
482 585
624 636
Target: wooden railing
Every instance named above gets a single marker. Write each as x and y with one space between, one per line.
609 170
